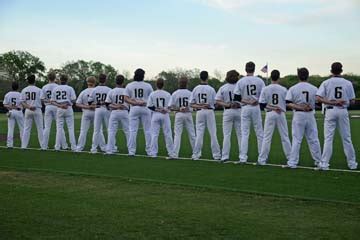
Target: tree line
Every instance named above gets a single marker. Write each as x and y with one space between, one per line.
16 65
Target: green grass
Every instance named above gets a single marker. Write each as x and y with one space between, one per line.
64 195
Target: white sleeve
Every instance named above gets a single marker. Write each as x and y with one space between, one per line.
109 97
6 99
321 91
171 101
351 92
42 94
192 97
80 100
92 96
263 97
22 97
237 89
289 96
150 101
73 94
219 94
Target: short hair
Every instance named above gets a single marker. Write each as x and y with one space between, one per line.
303 74
336 68
204 75
275 75
183 81
63 78
250 67
139 75
51 76
232 76
31 79
160 83
102 78
91 80
119 79
14 86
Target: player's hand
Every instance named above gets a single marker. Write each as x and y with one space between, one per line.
32 108
235 105
184 109
278 110
340 102
307 108
254 102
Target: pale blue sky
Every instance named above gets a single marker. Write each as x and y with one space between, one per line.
166 34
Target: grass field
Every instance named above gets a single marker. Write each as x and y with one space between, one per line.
65 195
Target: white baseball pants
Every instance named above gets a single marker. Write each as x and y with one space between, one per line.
304 123
206 118
250 114
65 116
31 116
340 117
117 116
160 120
136 115
181 120
231 117
49 117
272 120
16 116
101 117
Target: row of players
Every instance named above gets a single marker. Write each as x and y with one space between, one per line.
242 101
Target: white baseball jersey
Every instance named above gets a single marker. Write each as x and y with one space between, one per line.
13 98
302 93
31 96
226 93
180 98
337 88
249 87
116 96
99 94
63 94
138 90
46 92
275 95
159 99
203 94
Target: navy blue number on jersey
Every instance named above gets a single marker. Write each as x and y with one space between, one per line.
119 99
139 92
48 94
338 92
251 89
306 94
100 97
160 100
30 95
202 97
275 98
61 95
183 102
13 101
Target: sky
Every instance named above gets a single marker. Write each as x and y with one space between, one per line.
213 35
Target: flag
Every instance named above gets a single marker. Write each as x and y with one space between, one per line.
265 69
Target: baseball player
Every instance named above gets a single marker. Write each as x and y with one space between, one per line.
50 111
137 94
158 102
88 113
272 98
337 94
247 91
15 114
232 113
119 113
179 103
63 97
30 98
102 113
301 98
203 99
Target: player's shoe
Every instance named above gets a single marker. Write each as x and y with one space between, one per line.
289 166
195 158
260 163
224 160
240 162
8 114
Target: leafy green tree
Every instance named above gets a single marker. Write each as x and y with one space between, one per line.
79 70
19 64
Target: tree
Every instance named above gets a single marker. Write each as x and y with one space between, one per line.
78 72
20 64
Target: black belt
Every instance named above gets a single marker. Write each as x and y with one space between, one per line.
332 107
303 110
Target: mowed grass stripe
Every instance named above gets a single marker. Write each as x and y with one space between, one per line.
332 186
37 205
